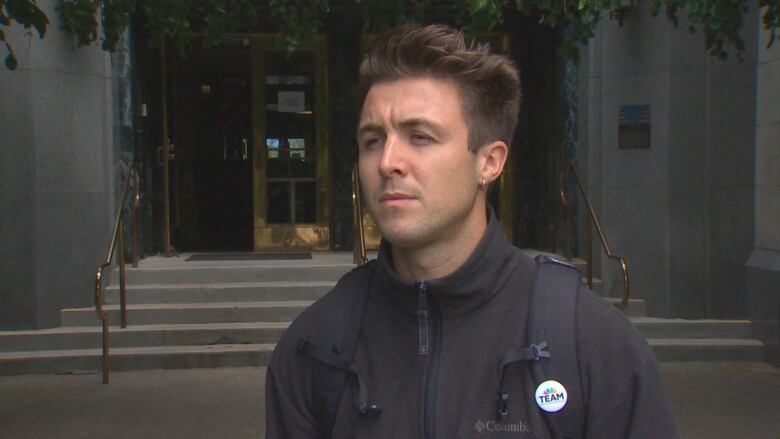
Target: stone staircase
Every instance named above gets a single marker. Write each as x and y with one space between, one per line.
216 314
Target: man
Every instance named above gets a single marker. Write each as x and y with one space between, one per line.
447 296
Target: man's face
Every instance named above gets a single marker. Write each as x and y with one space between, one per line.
419 177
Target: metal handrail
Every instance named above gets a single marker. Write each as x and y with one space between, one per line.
592 221
359 246
118 234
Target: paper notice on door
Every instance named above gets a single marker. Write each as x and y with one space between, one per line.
291 101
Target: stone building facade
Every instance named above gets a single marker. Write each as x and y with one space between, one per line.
695 211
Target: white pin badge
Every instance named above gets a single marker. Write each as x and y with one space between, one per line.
551 396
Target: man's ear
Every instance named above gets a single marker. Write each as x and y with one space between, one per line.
492 158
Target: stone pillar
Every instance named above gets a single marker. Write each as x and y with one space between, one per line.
763 267
680 211
628 65
56 174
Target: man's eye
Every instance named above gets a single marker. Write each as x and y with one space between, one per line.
421 139
370 142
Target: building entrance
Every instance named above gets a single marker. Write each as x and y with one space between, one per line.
251 168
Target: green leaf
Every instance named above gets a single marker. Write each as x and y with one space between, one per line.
10 59
477 5
40 22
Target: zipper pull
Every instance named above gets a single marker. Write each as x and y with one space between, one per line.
422 319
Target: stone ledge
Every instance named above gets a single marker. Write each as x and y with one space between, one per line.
763 300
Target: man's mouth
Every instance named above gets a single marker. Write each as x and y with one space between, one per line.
395 198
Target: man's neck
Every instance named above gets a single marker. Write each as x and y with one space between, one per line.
438 259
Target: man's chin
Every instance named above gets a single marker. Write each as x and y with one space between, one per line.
404 238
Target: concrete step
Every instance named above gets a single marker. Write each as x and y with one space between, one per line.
220 292
210 314
598 284
220 274
707 349
136 335
634 308
190 334
197 334
166 313
233 311
142 358
653 327
249 291
229 355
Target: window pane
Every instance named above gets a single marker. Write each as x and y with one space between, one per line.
273 148
297 148
278 202
305 202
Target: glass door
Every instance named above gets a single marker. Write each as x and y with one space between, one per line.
211 128
291 160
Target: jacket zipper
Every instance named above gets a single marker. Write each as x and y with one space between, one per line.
429 321
422 319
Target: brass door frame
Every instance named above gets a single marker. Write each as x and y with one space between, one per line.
290 236
164 153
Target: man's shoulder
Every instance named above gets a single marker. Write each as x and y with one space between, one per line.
594 313
619 374
606 336
326 319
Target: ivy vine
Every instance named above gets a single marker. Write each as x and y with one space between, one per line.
105 21
27 14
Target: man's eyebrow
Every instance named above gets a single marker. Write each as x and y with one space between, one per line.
371 127
415 122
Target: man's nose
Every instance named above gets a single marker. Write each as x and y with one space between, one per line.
393 159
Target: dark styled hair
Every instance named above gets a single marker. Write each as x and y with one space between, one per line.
488 83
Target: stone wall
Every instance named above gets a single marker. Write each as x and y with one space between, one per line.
56 174
681 211
763 267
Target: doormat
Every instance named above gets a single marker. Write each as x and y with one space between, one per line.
247 256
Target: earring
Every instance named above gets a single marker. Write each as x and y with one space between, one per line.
481 184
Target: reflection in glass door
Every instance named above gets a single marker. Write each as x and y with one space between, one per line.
290 163
291 158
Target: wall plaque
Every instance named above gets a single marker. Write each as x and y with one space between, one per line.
634 127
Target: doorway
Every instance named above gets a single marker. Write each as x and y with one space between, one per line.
251 168
211 199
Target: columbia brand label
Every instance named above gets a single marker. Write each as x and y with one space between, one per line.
551 396
498 427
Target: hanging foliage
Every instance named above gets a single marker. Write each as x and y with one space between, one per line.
105 21
27 14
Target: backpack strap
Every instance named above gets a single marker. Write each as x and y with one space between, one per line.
334 366
551 323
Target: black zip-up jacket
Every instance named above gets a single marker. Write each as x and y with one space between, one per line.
429 353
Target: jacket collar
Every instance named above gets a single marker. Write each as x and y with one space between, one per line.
473 284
